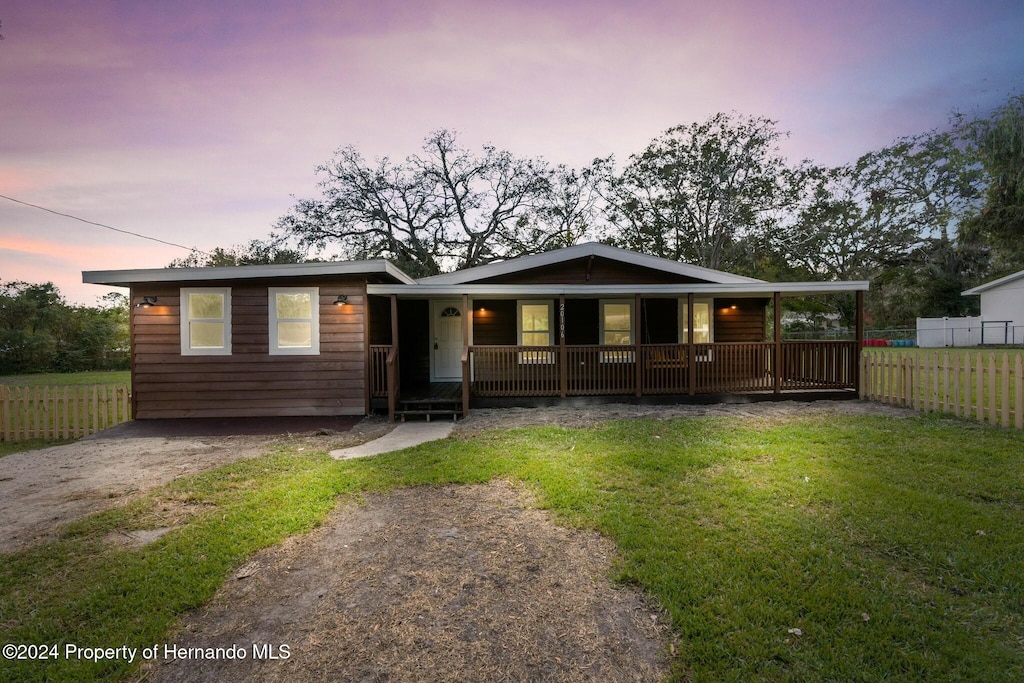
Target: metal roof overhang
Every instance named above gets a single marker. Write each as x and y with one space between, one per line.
728 289
125 278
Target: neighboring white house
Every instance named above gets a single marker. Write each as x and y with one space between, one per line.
1002 309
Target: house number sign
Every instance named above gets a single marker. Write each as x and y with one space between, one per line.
561 320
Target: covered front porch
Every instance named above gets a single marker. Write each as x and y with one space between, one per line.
535 344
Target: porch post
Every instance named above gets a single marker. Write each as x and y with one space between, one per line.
636 345
563 372
368 365
860 341
777 365
466 314
392 362
691 349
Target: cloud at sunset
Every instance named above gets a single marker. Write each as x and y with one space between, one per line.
197 122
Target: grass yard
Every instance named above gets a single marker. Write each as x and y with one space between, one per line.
8 447
54 379
894 546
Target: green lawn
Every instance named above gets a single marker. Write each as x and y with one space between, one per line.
52 379
896 546
8 447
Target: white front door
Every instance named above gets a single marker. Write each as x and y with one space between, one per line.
445 340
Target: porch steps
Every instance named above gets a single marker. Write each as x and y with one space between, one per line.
437 400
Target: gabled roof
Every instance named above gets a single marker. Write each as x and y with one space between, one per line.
549 258
995 283
124 278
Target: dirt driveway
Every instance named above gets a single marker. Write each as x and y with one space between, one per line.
43 489
452 583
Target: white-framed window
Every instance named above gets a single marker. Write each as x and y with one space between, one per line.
205 321
616 322
535 325
703 324
294 321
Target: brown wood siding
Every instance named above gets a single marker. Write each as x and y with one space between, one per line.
582 321
249 382
494 322
601 272
414 341
745 323
659 321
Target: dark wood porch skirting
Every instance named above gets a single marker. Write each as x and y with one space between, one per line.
681 399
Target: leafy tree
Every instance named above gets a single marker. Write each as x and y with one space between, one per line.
256 252
699 189
40 332
847 230
997 143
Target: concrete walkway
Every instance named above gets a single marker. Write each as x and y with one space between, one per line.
405 435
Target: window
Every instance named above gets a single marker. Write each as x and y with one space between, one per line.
703 325
535 328
206 321
294 321
617 330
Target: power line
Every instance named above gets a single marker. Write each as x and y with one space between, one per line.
102 225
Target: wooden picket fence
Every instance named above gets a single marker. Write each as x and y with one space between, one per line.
61 412
984 385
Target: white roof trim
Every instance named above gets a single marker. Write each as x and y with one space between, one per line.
995 283
124 278
581 251
723 289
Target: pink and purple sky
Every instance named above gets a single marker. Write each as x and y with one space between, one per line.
195 121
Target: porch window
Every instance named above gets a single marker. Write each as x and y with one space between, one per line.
206 321
703 325
535 328
617 330
294 321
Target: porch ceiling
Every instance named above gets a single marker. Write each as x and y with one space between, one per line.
729 289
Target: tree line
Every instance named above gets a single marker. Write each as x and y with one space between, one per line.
41 332
923 218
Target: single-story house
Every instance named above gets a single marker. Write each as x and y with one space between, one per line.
1002 309
343 338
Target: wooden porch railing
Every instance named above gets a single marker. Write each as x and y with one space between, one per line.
391 363
379 370
515 370
819 364
723 367
734 367
601 370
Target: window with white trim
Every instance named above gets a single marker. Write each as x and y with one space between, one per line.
535 327
616 330
703 324
205 321
295 321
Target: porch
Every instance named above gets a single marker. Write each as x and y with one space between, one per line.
688 370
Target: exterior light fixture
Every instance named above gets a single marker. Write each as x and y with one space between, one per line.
147 302
341 300
733 307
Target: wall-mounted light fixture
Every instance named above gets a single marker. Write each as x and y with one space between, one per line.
733 307
147 302
341 300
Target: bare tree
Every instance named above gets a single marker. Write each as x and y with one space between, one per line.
446 208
